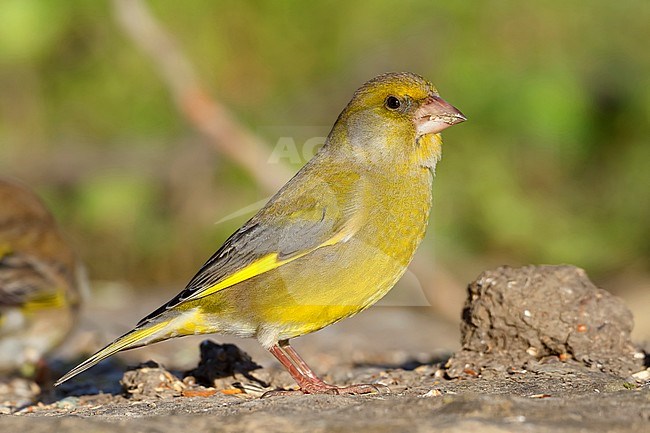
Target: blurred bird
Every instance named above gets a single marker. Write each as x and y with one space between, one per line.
330 243
40 280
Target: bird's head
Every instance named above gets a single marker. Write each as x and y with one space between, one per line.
395 116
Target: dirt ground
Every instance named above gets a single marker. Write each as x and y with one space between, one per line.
540 350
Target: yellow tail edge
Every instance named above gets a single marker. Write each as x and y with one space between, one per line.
129 340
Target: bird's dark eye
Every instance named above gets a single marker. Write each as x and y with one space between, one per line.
392 103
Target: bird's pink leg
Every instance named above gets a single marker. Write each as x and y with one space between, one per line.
300 363
308 381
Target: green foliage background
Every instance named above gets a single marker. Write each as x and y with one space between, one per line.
551 167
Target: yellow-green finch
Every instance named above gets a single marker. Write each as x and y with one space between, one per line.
330 243
40 280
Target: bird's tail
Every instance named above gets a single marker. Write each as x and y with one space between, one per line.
140 336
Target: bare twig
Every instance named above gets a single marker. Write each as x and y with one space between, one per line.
206 114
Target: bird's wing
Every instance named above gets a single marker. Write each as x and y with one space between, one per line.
290 226
25 282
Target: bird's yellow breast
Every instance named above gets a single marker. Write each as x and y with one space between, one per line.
337 281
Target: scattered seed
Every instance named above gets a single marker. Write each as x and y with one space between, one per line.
199 392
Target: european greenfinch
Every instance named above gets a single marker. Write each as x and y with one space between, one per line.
329 244
40 280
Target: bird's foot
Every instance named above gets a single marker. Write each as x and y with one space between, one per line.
324 388
362 388
308 381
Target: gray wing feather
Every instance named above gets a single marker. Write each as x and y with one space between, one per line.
304 214
259 237
21 280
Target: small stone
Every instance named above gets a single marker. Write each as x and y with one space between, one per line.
432 393
67 403
642 375
151 380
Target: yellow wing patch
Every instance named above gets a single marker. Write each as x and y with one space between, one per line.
5 249
49 300
271 261
265 264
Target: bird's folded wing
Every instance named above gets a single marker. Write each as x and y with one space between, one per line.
280 233
24 282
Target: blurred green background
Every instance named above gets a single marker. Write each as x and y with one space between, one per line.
552 166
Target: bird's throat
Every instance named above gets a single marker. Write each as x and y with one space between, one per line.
429 150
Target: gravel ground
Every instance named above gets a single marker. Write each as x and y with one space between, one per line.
509 373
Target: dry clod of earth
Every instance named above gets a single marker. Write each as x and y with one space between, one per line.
515 319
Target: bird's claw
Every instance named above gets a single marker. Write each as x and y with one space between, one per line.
358 389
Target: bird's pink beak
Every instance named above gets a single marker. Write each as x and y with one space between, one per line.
435 114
